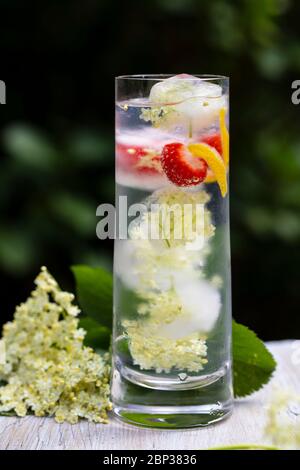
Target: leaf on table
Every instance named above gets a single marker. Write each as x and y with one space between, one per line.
253 364
94 287
8 413
97 336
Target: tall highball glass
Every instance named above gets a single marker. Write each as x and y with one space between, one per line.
172 292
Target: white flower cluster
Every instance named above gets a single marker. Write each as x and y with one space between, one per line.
179 307
150 344
46 367
283 420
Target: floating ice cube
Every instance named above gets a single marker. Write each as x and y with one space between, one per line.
124 263
144 182
165 277
147 137
181 87
188 100
201 307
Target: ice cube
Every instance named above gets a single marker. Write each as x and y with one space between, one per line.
188 100
175 89
165 277
124 263
144 182
201 304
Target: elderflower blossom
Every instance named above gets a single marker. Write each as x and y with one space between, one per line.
155 259
283 420
46 367
187 218
151 349
160 116
169 227
167 334
172 196
157 269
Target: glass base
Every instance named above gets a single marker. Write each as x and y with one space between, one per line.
175 382
179 417
171 409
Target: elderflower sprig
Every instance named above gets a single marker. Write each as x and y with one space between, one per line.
46 367
151 350
283 420
161 116
161 264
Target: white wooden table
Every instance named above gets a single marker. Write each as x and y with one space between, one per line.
244 426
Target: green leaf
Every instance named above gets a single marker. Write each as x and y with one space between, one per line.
16 250
94 291
30 147
87 147
245 447
253 364
8 413
73 211
97 336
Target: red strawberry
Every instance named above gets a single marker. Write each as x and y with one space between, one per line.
181 167
214 140
137 159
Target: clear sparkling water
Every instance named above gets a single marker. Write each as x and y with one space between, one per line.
164 359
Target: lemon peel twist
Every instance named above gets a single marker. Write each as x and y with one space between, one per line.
224 136
214 161
210 178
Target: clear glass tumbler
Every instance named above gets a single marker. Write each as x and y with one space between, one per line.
172 292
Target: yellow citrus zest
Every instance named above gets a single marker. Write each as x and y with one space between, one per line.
224 136
210 178
214 160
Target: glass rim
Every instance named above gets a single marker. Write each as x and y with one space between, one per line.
164 76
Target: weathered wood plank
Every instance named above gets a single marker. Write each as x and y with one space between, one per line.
244 426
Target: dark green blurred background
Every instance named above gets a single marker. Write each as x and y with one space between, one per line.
59 58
